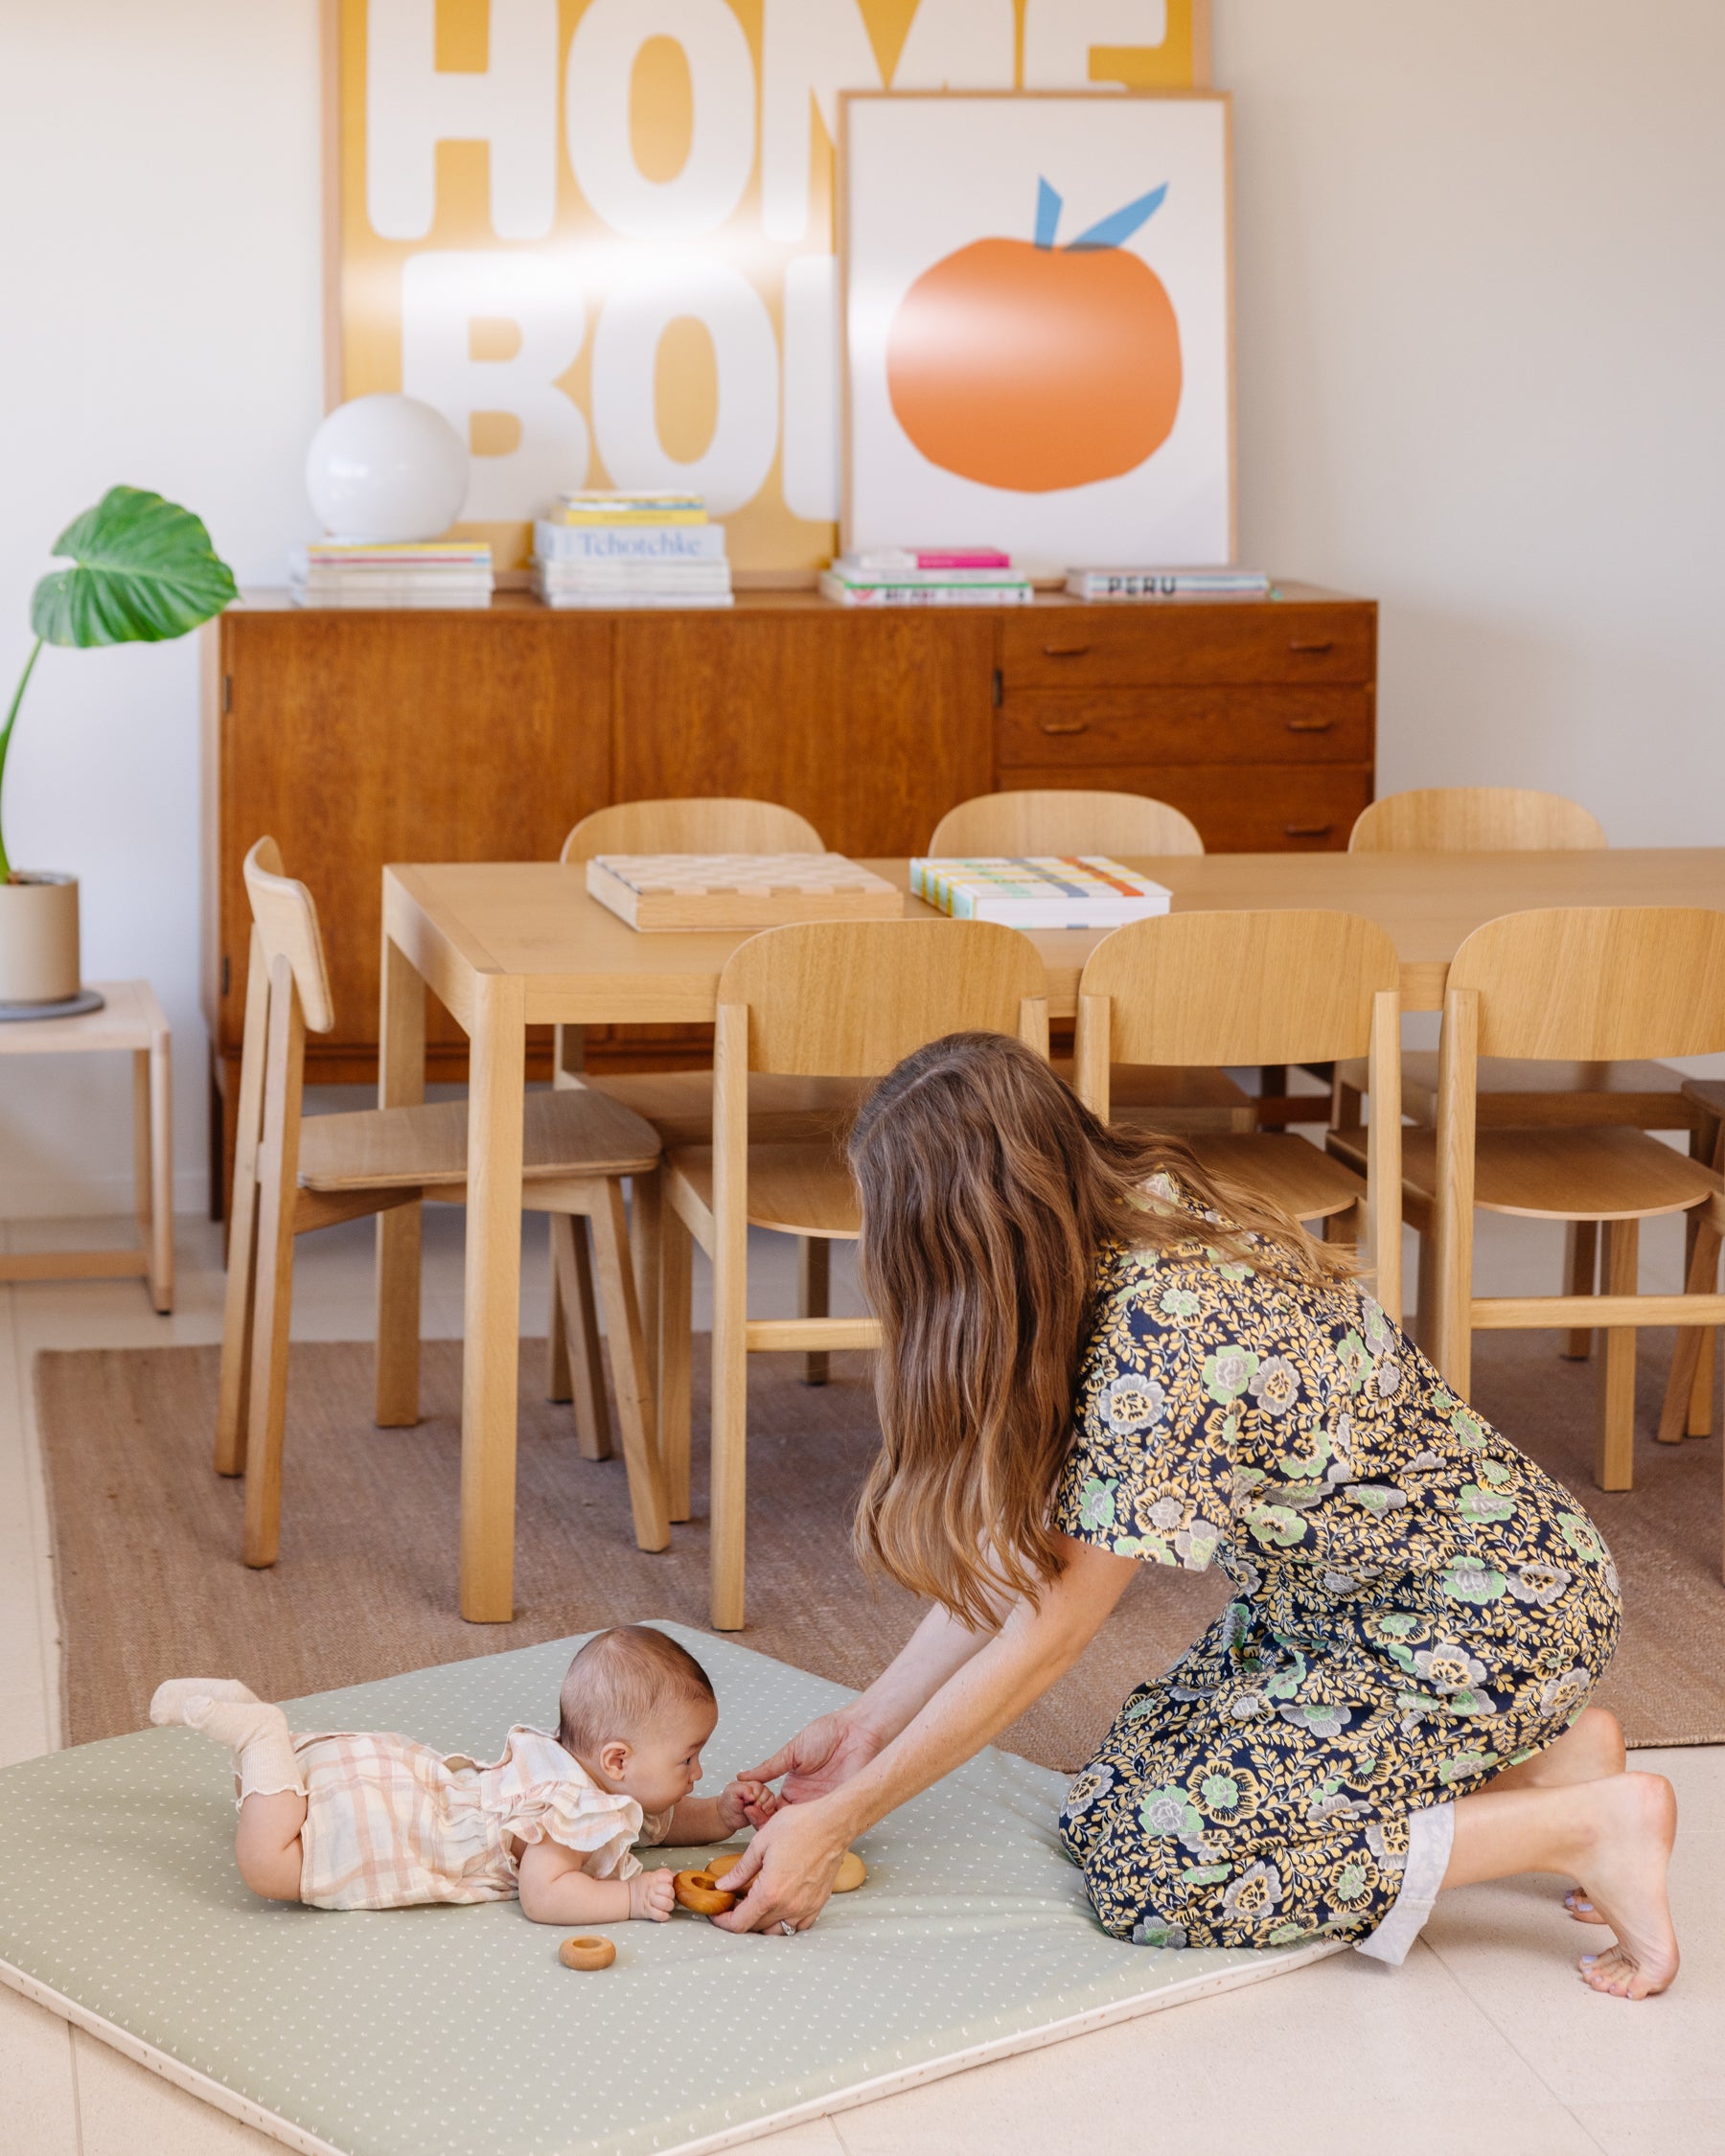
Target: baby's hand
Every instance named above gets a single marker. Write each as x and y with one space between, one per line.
653 1895
746 1802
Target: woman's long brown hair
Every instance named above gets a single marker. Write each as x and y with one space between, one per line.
988 1191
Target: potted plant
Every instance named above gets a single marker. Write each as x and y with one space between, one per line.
143 572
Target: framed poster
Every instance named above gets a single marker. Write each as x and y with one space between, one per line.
598 234
1038 325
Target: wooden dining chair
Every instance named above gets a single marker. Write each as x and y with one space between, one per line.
1475 819
1587 982
679 1104
1515 1094
293 1174
828 1000
1267 988
1689 1400
1055 821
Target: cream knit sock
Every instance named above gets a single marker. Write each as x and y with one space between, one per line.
257 1735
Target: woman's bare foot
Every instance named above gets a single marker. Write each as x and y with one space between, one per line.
1590 1749
1623 1882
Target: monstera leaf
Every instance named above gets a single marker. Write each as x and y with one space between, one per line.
144 571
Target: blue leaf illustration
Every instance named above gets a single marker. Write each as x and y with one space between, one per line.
1113 231
1047 214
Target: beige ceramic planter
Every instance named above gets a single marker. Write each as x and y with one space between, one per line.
38 939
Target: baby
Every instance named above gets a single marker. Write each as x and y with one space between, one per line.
359 1821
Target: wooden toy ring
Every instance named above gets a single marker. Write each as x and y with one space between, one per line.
698 1891
852 1872
721 1865
586 1953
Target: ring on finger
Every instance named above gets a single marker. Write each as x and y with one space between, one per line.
789 1930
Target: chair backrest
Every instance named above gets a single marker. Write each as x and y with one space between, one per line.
285 917
1595 983
852 998
1475 819
1057 821
697 825
1237 988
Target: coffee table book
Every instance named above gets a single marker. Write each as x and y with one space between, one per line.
731 892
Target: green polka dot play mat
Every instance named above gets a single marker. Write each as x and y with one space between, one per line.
456 2029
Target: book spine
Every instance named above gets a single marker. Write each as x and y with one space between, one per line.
849 594
639 542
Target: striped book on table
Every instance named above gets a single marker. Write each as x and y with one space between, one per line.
1039 890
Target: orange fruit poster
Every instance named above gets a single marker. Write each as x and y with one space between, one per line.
1037 341
599 235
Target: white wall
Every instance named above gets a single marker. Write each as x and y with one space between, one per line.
1481 315
1481 328
159 325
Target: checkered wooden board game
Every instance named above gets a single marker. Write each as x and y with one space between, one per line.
734 891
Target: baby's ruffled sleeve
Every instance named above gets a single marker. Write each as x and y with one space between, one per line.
656 1827
591 1821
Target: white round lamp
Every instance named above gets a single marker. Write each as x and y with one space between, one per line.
386 468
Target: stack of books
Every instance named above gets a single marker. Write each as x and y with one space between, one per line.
1039 891
420 573
906 576
630 548
1167 584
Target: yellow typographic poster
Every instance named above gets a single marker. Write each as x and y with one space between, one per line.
598 234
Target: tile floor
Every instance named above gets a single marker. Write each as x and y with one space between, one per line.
1484 2035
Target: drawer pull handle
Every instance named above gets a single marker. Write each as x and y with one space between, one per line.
1310 725
1315 649
1065 725
1065 651
1307 829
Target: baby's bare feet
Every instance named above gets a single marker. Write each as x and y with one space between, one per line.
1623 1882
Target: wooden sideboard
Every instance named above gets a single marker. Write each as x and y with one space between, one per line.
361 737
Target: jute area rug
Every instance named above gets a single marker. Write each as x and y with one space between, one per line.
147 1540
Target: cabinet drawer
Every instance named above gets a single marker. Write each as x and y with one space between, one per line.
1245 724
1258 808
1089 646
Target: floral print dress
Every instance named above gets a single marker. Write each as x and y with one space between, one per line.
1416 1605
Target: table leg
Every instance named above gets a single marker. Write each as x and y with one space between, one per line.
496 1076
400 1084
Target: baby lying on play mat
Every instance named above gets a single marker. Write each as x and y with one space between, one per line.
363 1821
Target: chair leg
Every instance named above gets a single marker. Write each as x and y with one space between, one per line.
646 1210
729 1439
1347 1107
573 1297
273 1305
1692 1356
1580 1266
1614 1466
234 1400
557 1388
1701 1392
675 1344
814 1292
629 1372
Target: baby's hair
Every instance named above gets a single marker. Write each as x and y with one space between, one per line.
616 1682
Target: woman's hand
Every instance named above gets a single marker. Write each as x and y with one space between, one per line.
785 1875
817 1760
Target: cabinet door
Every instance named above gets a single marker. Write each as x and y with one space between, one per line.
359 739
871 725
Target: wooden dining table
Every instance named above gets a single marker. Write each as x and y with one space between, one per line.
506 944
